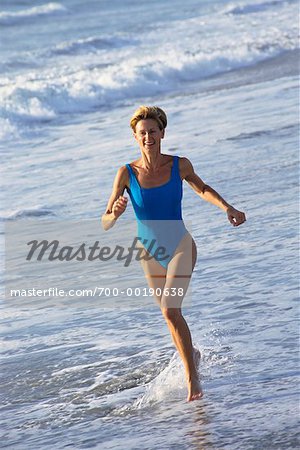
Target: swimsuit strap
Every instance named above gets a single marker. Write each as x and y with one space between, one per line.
175 168
129 169
132 177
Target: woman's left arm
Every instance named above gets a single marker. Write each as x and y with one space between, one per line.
206 192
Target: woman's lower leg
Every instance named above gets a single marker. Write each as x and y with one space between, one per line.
181 336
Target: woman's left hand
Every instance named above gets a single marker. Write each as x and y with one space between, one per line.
235 217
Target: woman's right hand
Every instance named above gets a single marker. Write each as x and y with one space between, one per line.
119 206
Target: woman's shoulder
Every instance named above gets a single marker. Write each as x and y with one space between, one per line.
185 166
122 176
184 162
183 159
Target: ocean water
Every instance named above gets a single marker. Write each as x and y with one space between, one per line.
77 374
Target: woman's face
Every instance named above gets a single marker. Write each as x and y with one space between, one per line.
148 134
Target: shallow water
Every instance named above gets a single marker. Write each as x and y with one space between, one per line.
77 375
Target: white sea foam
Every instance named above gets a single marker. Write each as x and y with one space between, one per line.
12 18
128 69
7 129
251 7
35 211
36 98
79 368
169 382
92 44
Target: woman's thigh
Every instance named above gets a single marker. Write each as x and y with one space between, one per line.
155 273
179 273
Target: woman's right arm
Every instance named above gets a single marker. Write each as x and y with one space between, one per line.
117 202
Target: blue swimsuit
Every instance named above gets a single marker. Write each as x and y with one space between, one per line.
158 214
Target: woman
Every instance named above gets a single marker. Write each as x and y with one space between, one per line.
154 184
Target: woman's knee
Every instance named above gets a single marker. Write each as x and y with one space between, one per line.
171 314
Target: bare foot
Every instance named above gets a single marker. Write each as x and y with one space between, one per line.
194 387
195 391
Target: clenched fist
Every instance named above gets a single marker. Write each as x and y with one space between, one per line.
119 206
235 217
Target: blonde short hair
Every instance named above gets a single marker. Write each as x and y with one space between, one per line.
149 112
